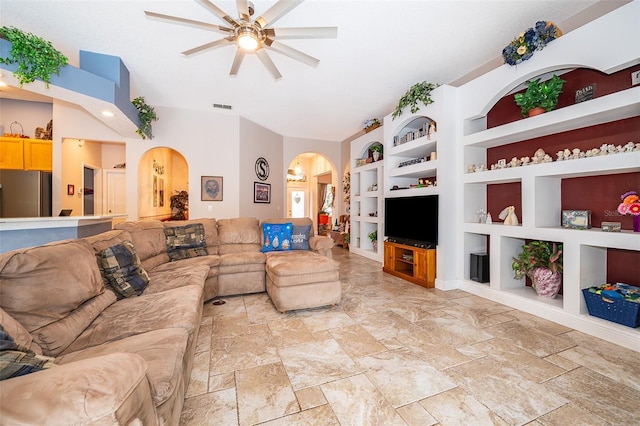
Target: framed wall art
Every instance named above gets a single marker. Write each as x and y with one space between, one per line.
261 192
211 188
71 189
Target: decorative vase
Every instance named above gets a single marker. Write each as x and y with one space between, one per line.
535 111
375 155
546 283
636 223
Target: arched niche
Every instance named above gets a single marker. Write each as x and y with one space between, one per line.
162 172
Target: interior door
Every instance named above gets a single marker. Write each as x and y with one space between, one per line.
298 201
115 192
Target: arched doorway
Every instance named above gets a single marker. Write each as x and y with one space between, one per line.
162 173
311 182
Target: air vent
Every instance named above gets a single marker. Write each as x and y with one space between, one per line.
222 106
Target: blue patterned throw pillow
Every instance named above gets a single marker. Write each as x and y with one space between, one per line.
300 237
276 236
17 361
123 270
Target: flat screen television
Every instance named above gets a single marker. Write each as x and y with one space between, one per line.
412 220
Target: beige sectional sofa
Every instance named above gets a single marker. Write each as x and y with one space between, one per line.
128 360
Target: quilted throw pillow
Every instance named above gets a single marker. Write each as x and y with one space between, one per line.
185 241
123 271
276 236
17 361
300 237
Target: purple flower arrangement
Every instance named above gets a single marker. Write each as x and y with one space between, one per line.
523 46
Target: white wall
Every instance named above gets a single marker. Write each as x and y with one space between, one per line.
29 114
255 142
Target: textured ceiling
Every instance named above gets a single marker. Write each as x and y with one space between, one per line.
382 48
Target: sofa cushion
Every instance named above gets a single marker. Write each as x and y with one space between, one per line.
148 238
186 241
234 263
44 284
300 237
178 307
17 360
238 235
123 271
210 231
182 274
163 352
276 236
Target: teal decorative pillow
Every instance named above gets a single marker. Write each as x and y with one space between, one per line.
300 237
185 241
123 270
17 361
276 236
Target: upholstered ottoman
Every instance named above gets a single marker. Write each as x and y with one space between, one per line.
300 279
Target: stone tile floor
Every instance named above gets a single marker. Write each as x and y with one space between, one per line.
395 353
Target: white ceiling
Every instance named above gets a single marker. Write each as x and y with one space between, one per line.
383 47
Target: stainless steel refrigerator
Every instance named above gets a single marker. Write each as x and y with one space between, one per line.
25 193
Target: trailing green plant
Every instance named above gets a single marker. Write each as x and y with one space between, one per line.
36 57
418 92
146 115
537 254
373 236
540 94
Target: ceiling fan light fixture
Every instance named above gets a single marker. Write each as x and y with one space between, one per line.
247 38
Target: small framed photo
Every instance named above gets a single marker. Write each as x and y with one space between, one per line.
211 188
261 192
71 189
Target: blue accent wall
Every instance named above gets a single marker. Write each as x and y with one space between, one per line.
100 76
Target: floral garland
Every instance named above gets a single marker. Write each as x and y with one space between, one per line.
523 46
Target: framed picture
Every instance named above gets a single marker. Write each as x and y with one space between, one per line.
71 189
261 192
211 188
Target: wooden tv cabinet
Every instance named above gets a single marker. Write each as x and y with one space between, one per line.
414 264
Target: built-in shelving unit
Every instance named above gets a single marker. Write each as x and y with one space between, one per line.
366 214
585 251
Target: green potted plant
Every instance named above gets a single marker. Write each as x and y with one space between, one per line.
36 57
418 92
373 236
539 97
376 151
541 261
146 115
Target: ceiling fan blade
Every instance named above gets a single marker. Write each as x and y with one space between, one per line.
218 12
190 22
268 63
302 32
237 61
291 52
276 12
243 10
208 46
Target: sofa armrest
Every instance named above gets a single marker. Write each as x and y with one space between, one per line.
105 390
321 244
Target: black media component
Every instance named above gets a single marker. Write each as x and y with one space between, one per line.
412 221
479 268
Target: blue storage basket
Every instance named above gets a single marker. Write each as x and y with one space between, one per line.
617 310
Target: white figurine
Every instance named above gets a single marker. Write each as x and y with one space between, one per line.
471 168
525 161
509 216
538 156
489 221
560 155
547 159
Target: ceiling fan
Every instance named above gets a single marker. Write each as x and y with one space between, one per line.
253 35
